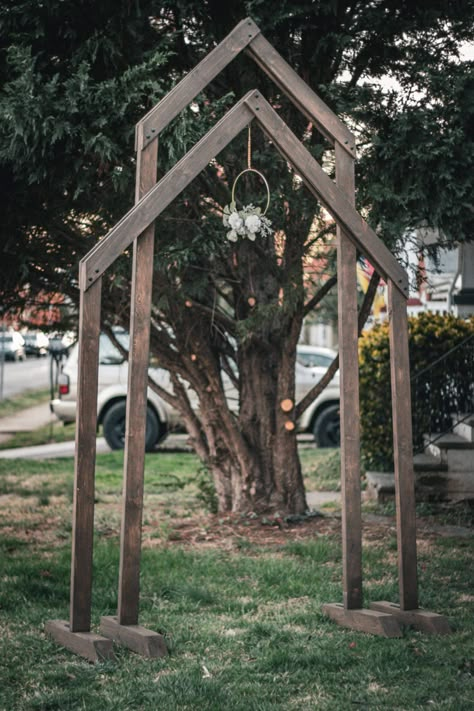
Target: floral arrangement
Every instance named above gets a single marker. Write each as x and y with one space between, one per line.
246 223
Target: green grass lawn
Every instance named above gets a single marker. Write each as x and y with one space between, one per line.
239 604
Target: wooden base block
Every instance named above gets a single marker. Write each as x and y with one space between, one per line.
429 622
87 644
135 637
380 623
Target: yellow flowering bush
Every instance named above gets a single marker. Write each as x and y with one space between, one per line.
437 392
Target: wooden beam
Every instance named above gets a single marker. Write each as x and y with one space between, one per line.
370 621
137 638
170 186
138 362
403 450
157 199
91 646
304 98
349 403
245 36
422 620
195 81
84 475
332 197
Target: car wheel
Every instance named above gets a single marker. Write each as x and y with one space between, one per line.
327 428
114 427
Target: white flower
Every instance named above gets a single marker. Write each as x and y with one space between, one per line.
252 224
245 223
235 221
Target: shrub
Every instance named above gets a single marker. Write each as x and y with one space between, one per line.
437 392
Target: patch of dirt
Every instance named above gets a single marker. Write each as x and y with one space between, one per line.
234 531
25 519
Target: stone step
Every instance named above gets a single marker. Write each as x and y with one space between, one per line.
445 486
453 450
427 462
437 484
464 429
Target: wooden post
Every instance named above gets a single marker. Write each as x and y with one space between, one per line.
351 614
84 477
138 362
407 612
76 634
124 628
403 449
349 385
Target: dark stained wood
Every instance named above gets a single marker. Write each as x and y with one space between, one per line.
134 457
87 644
156 200
304 98
403 450
245 35
349 402
423 620
195 81
370 621
332 197
84 475
135 637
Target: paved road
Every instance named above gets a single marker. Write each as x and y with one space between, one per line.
30 374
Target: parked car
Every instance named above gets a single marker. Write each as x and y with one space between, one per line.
112 393
36 343
321 418
12 345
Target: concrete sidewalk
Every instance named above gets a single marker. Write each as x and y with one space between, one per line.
50 451
26 420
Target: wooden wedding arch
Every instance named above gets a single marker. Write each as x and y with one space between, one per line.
137 227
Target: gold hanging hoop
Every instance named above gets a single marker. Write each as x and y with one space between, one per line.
252 170
249 169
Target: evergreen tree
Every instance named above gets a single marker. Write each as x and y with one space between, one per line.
77 76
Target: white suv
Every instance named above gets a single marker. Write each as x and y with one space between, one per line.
321 417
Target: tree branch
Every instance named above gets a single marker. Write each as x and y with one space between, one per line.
326 287
158 389
364 312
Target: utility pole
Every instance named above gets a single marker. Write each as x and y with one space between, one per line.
2 355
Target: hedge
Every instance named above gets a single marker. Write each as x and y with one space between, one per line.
437 392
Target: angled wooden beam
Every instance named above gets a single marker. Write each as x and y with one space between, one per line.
297 90
331 196
169 187
245 36
174 182
195 81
